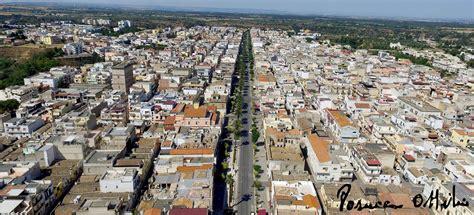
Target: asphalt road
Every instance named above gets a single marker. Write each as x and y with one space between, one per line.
244 203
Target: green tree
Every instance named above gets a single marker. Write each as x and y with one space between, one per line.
255 135
470 63
9 105
15 73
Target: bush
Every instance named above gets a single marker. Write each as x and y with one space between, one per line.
470 63
225 165
255 135
257 168
258 185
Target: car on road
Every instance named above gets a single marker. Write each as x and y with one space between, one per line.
245 143
246 197
245 121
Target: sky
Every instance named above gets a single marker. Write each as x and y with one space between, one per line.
410 9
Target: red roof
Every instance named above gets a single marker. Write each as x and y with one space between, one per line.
373 162
169 102
409 157
187 211
169 128
362 105
169 121
262 212
211 108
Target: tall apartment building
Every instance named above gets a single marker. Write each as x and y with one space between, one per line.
122 77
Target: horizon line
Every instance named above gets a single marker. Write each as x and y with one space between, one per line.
246 11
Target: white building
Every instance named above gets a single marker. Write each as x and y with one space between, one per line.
323 163
124 24
297 191
21 127
119 181
20 93
418 107
460 171
341 126
73 48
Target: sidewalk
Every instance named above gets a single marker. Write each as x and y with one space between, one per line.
263 195
234 170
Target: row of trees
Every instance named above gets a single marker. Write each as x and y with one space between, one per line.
240 67
236 102
111 33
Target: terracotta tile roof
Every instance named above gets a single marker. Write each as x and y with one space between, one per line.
320 148
169 128
167 143
373 162
282 114
263 78
282 197
212 108
341 119
409 157
169 120
200 112
273 132
311 201
460 132
298 202
195 151
163 84
193 168
362 105
294 131
178 108
153 211
302 110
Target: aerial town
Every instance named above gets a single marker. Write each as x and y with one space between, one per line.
228 120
